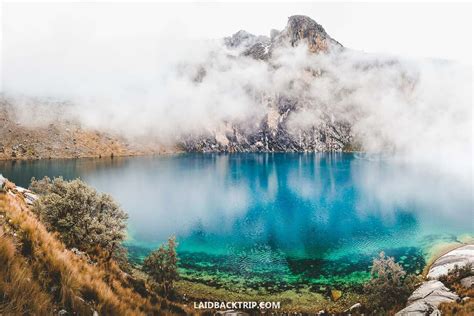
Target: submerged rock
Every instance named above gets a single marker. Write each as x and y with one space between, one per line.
458 257
335 295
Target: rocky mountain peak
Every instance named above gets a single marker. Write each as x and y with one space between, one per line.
273 132
244 39
301 27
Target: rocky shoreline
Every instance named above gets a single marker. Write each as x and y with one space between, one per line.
426 299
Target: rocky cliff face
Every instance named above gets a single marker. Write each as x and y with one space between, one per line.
274 133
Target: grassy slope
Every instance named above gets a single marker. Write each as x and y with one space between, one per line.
38 275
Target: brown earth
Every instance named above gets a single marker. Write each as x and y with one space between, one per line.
65 139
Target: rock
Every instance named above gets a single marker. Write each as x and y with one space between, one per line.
20 189
335 295
244 39
62 312
355 306
418 309
468 282
433 292
260 50
460 257
274 132
19 148
426 299
3 182
77 252
30 197
301 28
231 313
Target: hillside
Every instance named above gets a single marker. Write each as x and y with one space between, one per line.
62 138
276 132
40 276
45 128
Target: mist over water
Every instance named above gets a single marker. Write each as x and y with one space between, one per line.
139 81
295 217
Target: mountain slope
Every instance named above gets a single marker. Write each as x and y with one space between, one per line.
40 276
274 133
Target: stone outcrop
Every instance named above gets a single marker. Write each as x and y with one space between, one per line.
302 28
458 257
273 132
468 282
2 182
426 299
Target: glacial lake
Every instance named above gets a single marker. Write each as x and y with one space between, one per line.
275 221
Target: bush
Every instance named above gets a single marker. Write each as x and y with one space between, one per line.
162 266
389 286
456 274
84 218
453 281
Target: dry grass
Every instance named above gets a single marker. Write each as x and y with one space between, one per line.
38 274
20 294
458 309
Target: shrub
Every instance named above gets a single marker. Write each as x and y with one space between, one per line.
389 286
162 266
456 274
453 281
84 218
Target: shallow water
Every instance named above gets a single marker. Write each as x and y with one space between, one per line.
275 221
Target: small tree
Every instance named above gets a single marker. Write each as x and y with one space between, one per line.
84 218
389 285
162 266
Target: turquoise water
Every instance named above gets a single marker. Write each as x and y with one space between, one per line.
275 221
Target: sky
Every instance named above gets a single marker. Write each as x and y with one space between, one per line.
132 64
434 30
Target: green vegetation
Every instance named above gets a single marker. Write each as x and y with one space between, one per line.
71 214
40 276
389 286
85 219
162 266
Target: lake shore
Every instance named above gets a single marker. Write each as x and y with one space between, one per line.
308 298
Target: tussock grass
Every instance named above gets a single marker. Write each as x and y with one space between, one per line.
19 292
39 275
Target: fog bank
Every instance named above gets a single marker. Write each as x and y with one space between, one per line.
166 85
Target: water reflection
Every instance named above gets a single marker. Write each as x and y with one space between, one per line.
285 214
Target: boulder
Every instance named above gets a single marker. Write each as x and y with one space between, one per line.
457 257
468 282
30 197
353 308
426 299
3 181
